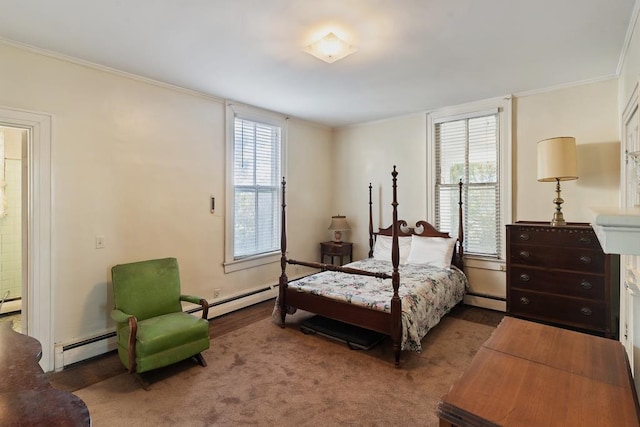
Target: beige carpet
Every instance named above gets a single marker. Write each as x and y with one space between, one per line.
264 375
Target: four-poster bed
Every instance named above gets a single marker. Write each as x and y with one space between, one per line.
364 294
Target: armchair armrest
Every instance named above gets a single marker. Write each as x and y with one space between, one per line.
122 317
197 300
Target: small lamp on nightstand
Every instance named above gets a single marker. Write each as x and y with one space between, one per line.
557 161
338 225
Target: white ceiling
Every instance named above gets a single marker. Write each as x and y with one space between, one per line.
413 55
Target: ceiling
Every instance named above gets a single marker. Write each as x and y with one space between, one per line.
413 55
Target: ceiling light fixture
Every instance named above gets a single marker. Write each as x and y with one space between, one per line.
330 48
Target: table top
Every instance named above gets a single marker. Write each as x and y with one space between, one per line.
26 396
529 374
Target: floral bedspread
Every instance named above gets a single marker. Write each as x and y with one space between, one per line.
427 293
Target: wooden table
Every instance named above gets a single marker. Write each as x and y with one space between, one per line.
336 249
529 374
26 396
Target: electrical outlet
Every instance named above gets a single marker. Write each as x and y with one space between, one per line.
99 242
216 293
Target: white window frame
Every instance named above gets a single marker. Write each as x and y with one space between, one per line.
262 116
503 107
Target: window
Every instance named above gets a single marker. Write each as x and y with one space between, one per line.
472 146
253 225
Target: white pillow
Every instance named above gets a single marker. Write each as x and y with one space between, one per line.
382 248
436 251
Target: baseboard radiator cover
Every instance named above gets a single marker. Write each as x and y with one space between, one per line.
67 354
486 301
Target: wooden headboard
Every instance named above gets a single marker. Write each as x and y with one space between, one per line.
425 230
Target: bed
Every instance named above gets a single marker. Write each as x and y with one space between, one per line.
370 293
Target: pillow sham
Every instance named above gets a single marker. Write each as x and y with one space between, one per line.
436 251
382 248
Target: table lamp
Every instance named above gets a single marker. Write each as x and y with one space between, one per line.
338 225
557 161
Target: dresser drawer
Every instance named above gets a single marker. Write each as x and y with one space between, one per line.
580 313
576 284
335 248
566 237
579 259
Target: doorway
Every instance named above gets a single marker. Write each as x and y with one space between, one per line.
13 256
36 296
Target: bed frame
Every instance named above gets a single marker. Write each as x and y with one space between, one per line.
379 321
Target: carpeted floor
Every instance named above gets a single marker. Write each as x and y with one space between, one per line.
262 374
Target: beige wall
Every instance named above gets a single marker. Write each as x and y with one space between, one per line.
136 163
590 114
366 154
368 151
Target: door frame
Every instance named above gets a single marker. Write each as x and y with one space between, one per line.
38 272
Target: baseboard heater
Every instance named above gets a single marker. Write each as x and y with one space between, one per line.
486 301
69 354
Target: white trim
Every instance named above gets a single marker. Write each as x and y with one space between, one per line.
233 110
104 68
39 319
504 107
627 40
250 262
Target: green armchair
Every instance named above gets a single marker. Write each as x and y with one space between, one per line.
152 329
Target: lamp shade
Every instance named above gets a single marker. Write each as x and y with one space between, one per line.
557 159
339 223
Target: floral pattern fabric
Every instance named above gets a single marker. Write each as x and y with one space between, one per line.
427 293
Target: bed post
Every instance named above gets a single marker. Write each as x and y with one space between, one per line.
460 226
370 223
396 304
282 288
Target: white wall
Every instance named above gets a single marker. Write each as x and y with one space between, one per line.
630 72
630 264
136 162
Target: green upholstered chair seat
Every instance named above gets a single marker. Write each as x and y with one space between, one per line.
156 334
152 329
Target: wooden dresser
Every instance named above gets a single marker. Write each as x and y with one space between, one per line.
559 275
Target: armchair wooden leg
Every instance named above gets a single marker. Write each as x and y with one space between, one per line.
200 359
145 384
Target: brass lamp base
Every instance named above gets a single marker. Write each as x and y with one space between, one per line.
558 218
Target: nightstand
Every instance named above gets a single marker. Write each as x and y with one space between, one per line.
336 249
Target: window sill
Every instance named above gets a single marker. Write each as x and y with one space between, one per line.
251 262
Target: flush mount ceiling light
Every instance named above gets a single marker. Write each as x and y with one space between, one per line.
330 48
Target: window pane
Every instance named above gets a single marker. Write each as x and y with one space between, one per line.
257 191
468 149
482 220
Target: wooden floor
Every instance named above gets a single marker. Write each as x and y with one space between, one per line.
94 370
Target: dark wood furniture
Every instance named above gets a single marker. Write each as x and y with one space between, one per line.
530 374
559 275
26 396
388 323
336 249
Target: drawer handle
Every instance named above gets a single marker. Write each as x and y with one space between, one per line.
586 311
585 259
524 300
524 277
524 236
525 254
586 285
585 240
